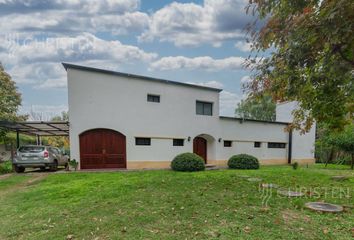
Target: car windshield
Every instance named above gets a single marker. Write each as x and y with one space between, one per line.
32 149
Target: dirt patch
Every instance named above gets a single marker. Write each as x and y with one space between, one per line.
5 176
35 178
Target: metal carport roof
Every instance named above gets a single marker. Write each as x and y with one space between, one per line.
38 128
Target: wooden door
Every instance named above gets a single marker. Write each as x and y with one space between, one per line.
200 147
102 148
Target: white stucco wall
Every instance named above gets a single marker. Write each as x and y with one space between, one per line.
303 144
98 100
105 101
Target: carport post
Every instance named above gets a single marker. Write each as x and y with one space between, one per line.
38 140
17 139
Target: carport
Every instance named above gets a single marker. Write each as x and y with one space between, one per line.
36 128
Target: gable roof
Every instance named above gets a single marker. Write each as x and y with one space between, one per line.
133 76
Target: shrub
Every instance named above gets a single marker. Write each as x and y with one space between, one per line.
295 165
243 161
73 164
5 167
188 162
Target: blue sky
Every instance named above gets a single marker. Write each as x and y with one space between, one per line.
201 42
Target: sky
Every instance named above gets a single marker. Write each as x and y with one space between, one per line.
201 42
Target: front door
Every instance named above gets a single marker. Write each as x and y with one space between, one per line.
102 148
200 147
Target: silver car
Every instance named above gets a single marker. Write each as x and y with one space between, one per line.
33 156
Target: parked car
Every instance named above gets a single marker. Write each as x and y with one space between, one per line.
33 156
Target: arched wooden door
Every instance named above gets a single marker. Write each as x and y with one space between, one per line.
102 148
200 147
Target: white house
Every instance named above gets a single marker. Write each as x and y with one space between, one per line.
120 120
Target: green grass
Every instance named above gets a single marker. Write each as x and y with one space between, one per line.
174 205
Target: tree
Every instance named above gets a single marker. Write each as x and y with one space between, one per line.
59 141
311 61
10 100
345 141
261 108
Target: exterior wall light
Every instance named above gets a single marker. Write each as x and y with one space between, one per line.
189 139
219 140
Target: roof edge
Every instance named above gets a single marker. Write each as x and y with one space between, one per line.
104 71
254 120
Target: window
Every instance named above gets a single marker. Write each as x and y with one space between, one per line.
153 98
276 145
227 143
178 142
143 141
257 144
204 108
31 149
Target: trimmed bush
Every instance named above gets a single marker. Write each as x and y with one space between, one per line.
243 161
188 162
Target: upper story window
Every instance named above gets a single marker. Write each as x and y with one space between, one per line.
143 141
257 144
204 108
276 145
178 142
153 98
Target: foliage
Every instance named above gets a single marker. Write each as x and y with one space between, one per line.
324 150
73 163
10 100
345 141
259 108
5 167
243 161
59 141
333 146
295 165
311 61
188 162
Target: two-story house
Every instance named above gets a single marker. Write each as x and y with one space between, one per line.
120 120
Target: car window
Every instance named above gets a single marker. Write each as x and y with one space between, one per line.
31 149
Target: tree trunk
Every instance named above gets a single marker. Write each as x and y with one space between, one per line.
352 165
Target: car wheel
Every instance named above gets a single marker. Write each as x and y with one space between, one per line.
19 169
54 167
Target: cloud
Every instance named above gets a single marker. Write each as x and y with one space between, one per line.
190 24
102 6
243 46
68 17
213 84
228 103
38 62
203 63
245 79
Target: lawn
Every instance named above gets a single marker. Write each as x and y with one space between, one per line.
164 204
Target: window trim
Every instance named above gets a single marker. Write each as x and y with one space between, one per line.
146 141
279 145
203 108
228 142
153 98
175 142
